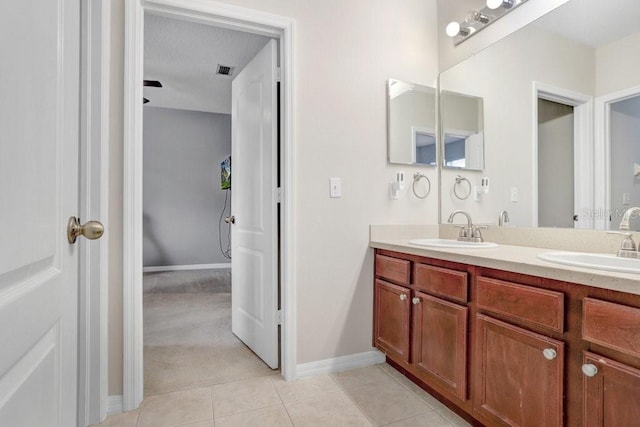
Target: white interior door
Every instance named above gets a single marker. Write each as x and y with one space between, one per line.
39 87
254 250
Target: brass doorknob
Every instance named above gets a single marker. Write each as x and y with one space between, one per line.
91 229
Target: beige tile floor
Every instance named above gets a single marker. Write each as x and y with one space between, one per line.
372 396
198 374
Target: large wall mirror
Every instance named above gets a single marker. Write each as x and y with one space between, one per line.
411 123
561 119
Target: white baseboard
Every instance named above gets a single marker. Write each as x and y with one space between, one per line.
114 404
223 266
337 364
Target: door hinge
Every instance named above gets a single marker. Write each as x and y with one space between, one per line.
278 74
279 195
279 317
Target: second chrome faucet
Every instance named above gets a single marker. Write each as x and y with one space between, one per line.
470 232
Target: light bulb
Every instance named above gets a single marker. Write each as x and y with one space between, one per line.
453 29
495 4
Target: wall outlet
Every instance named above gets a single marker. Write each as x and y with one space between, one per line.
514 194
626 198
335 187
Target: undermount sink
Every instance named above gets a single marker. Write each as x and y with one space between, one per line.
607 262
449 243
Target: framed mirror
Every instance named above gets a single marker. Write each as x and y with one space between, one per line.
559 80
411 123
462 130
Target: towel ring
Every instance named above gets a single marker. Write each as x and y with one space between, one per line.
416 178
459 179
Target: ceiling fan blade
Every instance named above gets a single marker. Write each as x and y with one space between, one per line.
145 100
152 83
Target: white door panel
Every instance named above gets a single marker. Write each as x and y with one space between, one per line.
254 277
39 83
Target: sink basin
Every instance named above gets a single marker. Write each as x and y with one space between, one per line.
607 262
448 243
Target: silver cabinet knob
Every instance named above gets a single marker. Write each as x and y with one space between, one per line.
230 219
415 300
589 370
549 353
403 297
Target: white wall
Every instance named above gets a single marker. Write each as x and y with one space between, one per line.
508 114
617 65
345 52
182 199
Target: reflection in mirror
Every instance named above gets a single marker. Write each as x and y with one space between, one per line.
411 123
583 56
463 131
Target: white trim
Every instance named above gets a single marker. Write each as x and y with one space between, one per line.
602 147
583 147
114 404
228 16
225 266
94 197
337 364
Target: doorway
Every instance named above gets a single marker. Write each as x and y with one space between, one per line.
553 105
624 159
555 164
230 18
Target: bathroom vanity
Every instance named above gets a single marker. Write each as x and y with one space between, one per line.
506 339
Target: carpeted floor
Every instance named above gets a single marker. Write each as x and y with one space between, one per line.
187 333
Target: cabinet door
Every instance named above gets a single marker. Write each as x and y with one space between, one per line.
391 320
519 375
611 393
440 341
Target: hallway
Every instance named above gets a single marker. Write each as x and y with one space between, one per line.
187 333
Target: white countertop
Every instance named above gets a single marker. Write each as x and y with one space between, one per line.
518 259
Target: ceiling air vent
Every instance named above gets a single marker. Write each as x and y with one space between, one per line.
224 70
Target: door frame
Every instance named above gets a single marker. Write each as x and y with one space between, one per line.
602 149
95 21
583 150
226 16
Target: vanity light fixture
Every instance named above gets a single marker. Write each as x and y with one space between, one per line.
477 20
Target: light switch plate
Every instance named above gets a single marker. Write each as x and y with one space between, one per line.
335 189
514 194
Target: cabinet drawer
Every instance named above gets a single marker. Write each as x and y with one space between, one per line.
441 281
612 325
537 306
394 269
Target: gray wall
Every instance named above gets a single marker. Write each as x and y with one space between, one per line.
555 165
625 151
182 196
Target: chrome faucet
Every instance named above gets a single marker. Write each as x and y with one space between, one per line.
624 223
628 248
470 233
504 217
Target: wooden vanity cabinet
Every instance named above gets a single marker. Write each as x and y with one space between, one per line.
519 375
506 349
611 393
611 388
439 340
392 320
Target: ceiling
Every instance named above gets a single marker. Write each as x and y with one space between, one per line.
594 23
184 56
